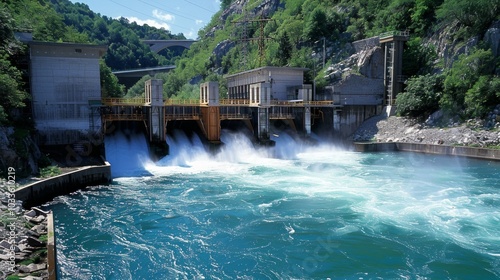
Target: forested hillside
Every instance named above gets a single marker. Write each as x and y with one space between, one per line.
449 61
125 50
447 40
63 21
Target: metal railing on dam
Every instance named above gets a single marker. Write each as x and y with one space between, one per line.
135 109
141 101
136 101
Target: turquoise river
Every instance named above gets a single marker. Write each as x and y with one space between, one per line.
288 212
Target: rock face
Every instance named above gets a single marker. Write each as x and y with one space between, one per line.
266 8
397 129
19 152
219 52
449 49
359 79
371 63
492 36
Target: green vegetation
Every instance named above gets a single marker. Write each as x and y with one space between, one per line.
470 84
109 82
123 38
421 96
11 88
36 257
43 238
296 32
49 171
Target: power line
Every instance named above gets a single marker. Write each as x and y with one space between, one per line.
149 16
154 6
201 7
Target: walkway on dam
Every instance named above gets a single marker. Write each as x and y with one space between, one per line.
130 109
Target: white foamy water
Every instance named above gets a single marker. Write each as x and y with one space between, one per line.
303 212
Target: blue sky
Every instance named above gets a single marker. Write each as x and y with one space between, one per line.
178 16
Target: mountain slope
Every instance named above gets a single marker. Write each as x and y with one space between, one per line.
440 31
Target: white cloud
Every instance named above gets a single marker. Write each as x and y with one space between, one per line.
149 22
162 16
199 22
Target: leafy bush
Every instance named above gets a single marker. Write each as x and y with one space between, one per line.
475 15
421 96
50 171
482 95
462 78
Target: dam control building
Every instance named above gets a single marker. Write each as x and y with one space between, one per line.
66 91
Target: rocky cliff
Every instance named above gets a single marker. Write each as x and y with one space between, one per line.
18 150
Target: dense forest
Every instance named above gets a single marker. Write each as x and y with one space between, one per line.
294 32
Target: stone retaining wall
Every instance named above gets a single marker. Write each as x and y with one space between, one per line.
45 190
51 248
471 152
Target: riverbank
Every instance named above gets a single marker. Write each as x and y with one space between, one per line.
27 241
404 130
471 152
24 239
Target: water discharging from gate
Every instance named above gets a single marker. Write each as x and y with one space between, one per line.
284 213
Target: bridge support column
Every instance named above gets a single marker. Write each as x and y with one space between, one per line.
156 115
336 121
263 124
260 96
210 112
306 95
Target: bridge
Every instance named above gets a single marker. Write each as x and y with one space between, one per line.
158 45
209 111
132 76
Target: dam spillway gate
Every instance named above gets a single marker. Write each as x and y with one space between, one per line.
209 111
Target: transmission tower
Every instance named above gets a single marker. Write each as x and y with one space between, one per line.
261 21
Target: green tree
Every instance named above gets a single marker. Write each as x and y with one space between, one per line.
284 49
423 15
417 57
109 82
476 15
421 96
463 75
484 94
396 16
224 4
12 94
316 25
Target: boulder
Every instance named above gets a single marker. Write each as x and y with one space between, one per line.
33 242
492 37
30 214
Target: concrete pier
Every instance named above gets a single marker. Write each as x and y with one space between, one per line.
45 190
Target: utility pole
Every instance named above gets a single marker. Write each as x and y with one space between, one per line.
324 49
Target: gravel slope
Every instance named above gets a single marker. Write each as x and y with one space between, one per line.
398 129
